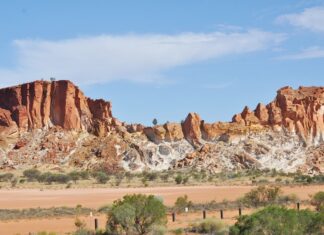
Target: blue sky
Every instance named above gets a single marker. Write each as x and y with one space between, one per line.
166 58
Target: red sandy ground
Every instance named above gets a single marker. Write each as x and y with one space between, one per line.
94 198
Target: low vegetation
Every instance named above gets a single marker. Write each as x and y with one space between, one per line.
262 196
31 213
318 201
209 226
136 214
281 221
33 177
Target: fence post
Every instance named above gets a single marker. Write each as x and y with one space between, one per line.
221 214
173 217
204 214
96 224
240 211
298 205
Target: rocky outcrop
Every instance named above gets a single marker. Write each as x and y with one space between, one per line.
298 111
42 104
191 128
54 123
168 132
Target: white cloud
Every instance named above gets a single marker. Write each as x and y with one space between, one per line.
139 58
309 53
311 19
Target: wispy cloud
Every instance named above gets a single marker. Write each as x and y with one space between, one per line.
311 19
138 58
309 53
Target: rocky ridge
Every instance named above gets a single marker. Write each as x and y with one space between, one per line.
53 123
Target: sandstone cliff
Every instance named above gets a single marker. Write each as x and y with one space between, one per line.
43 104
54 123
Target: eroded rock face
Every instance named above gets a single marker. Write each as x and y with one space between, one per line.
54 123
191 128
43 104
299 111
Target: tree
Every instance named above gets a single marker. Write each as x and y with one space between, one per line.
281 221
155 122
318 201
136 214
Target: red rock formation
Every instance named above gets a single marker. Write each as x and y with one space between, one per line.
191 128
43 104
60 103
300 111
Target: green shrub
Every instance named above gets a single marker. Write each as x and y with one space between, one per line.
165 177
178 179
31 174
158 230
185 179
6 177
84 175
46 233
318 201
261 196
182 203
209 226
136 214
178 231
279 221
101 177
49 178
74 175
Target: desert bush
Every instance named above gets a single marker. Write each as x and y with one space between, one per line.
318 201
165 177
6 177
158 230
279 221
84 175
305 179
129 176
14 182
209 226
31 174
101 177
151 176
74 175
11 214
178 179
291 198
177 231
182 203
261 196
49 178
79 224
136 214
46 233
185 179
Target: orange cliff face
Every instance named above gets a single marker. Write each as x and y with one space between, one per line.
298 111
44 104
82 132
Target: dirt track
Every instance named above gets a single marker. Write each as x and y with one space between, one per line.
94 198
